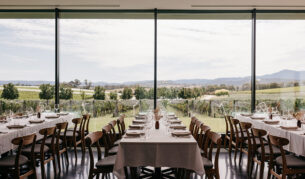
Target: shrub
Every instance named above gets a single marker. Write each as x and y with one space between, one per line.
221 92
127 93
113 95
47 91
99 93
10 92
65 93
140 93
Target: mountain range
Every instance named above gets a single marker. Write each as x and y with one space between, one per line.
281 76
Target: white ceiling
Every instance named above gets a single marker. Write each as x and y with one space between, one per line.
151 4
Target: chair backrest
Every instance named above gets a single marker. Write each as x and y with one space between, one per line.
47 132
227 121
215 140
59 128
245 128
93 139
113 124
107 141
192 124
86 122
203 138
235 127
277 142
259 134
121 125
196 129
21 142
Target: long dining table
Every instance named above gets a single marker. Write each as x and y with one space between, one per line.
7 135
296 137
159 149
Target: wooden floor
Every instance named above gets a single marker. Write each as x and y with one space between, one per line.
78 169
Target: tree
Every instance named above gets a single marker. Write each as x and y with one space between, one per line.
150 93
127 93
75 83
10 92
47 91
113 95
99 93
65 93
140 92
87 84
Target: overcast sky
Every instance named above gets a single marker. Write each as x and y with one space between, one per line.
123 50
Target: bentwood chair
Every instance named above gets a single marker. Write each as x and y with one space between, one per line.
203 139
192 125
61 142
74 138
262 150
288 165
246 144
103 165
236 136
121 126
42 152
110 149
211 166
197 129
12 164
87 118
228 136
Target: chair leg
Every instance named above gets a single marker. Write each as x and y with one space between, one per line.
54 162
236 148
230 146
43 173
225 142
58 160
240 153
75 151
261 170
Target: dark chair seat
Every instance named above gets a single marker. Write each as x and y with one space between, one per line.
69 134
113 150
106 162
257 141
10 161
276 151
49 141
292 161
36 149
207 163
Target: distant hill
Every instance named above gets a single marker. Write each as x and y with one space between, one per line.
281 76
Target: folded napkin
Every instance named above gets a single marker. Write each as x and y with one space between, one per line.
134 133
134 126
138 121
52 116
177 127
181 133
36 121
175 121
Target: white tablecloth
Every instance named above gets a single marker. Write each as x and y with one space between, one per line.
159 150
296 138
8 135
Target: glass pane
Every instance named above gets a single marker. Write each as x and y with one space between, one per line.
280 65
204 68
27 62
113 54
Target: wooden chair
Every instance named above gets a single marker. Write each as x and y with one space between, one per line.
192 125
210 166
13 163
246 144
236 138
105 165
262 150
288 164
110 149
61 142
74 138
41 151
113 136
197 129
121 126
203 139
86 123
228 136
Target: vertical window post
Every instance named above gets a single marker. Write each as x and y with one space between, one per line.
56 60
155 60
253 62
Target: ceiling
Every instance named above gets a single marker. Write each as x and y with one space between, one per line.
151 4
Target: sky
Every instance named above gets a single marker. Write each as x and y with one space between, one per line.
123 50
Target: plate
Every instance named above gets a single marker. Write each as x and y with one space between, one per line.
52 116
181 133
272 122
257 118
292 128
36 121
16 126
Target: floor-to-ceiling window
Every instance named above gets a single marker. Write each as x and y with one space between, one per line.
280 61
106 64
26 61
204 65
